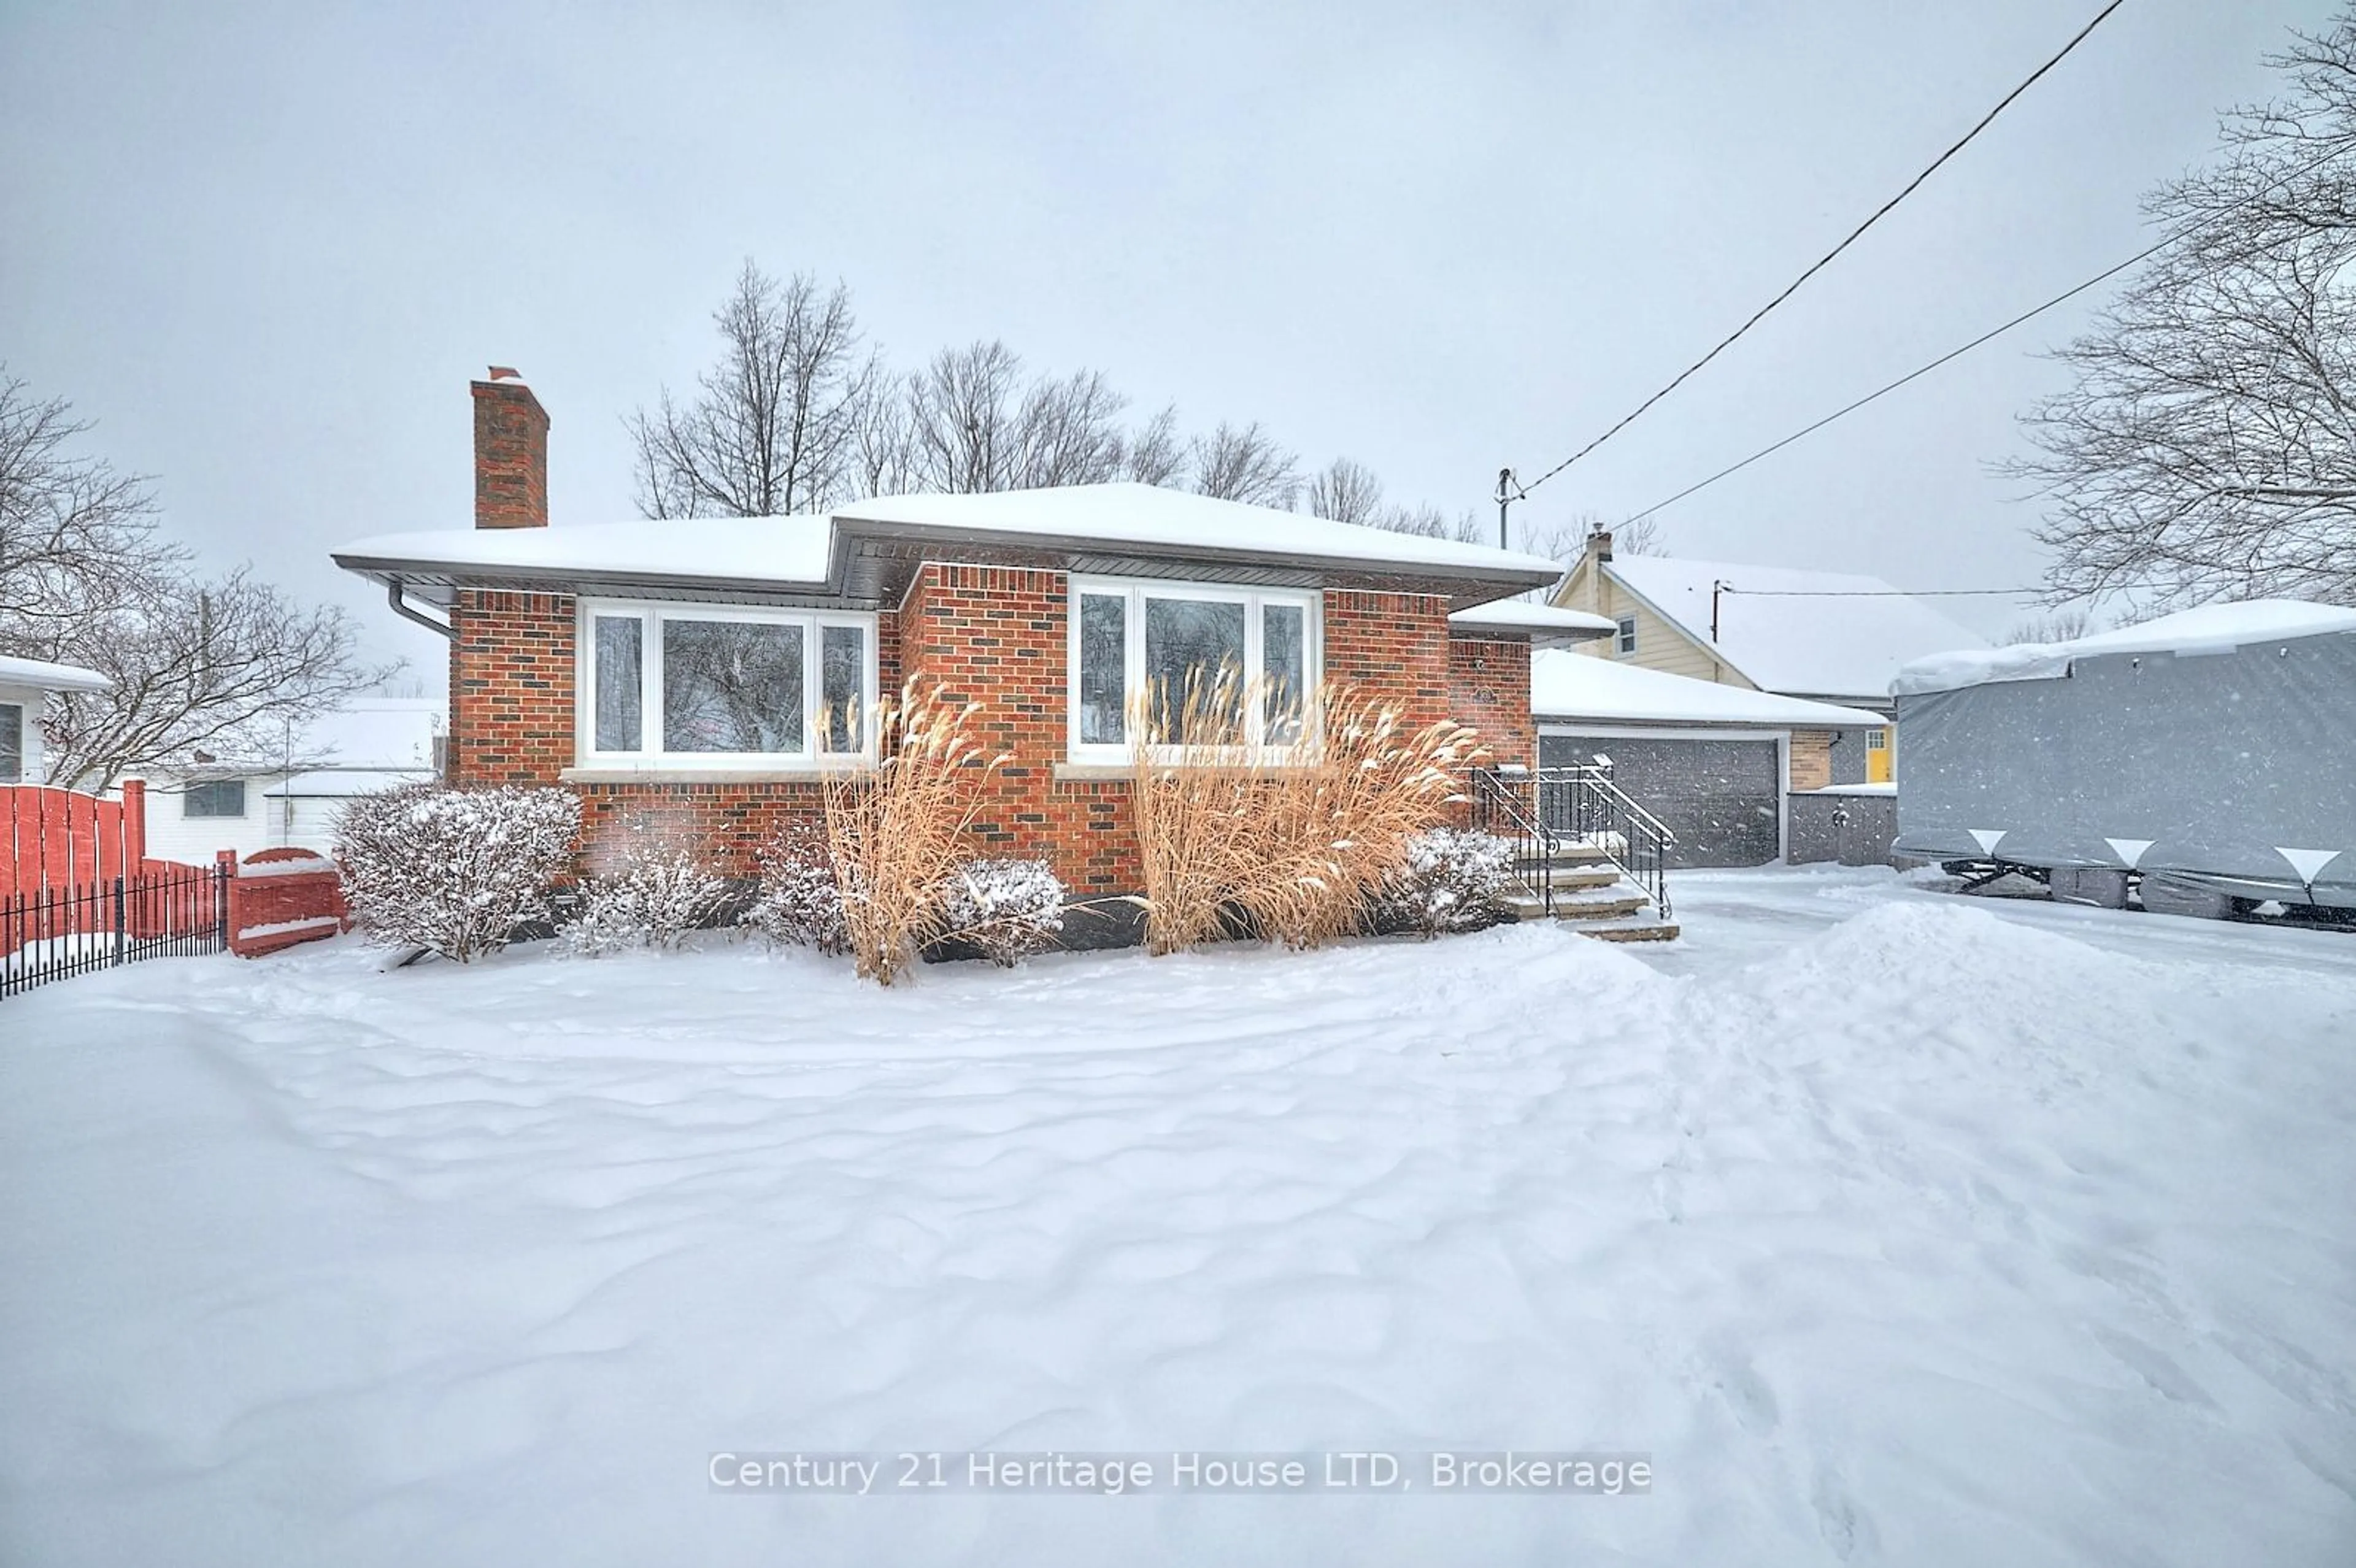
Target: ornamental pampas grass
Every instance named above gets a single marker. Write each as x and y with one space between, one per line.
893 834
1290 843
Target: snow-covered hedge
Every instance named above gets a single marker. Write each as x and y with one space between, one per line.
655 896
799 902
455 872
1005 908
1453 879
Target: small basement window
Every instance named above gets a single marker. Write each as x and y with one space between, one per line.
213 797
1626 641
703 686
12 743
1129 637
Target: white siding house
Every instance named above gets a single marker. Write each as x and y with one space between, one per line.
369 745
25 687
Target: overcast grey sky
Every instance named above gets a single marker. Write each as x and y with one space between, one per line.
265 247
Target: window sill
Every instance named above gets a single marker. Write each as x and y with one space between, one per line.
799 773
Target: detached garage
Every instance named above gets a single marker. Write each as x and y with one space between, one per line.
1712 762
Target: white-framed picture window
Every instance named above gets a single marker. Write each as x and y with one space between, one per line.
1131 636
692 686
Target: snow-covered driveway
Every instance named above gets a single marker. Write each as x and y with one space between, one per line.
1895 1228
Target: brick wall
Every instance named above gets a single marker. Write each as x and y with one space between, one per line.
510 686
995 634
1811 758
1489 688
1396 644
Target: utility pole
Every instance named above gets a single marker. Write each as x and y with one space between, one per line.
1509 492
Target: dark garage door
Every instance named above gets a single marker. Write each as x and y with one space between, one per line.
1718 798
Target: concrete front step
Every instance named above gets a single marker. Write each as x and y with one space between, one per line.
1579 907
1579 879
1631 930
1565 854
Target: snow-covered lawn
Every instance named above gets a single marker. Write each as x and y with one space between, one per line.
1895 1228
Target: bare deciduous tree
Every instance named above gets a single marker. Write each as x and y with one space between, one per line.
71 526
226 666
2209 447
85 580
775 427
1155 455
1242 462
1346 491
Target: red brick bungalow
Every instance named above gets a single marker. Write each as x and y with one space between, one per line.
668 669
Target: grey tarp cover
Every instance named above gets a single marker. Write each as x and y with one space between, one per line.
2238 767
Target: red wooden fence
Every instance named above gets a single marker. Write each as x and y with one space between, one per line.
60 839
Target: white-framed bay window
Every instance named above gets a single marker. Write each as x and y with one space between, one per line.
693 687
1129 636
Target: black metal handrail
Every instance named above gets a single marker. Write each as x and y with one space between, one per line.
1544 810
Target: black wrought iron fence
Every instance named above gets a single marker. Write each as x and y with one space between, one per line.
59 931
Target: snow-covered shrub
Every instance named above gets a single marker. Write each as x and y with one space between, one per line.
657 895
453 871
799 902
1453 880
1005 908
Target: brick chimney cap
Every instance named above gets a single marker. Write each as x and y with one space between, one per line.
506 373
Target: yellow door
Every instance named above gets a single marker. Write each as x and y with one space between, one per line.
1877 756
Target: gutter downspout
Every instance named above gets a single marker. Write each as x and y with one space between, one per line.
402 608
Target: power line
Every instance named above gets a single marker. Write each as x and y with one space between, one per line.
1874 593
2063 298
1826 260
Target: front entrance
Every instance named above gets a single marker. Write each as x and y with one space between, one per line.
1877 756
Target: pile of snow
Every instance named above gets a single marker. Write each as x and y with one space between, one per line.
2211 629
1892 1228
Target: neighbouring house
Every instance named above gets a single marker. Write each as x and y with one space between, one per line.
1818 636
25 687
675 673
2200 759
201 803
1714 761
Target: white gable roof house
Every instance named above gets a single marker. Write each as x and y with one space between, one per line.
206 803
25 687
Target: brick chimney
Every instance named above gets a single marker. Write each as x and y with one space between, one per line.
510 453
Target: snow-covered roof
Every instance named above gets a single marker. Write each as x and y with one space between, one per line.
2212 628
389 734
1826 634
1576 685
810 554
1155 516
43 675
1544 623
341 782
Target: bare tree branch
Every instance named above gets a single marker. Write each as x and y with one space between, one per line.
1244 463
2209 447
774 429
